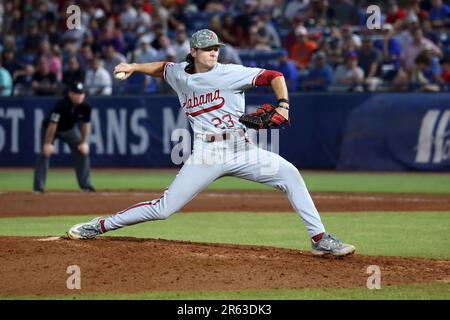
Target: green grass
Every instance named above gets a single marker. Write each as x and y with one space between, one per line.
414 291
373 182
316 181
425 234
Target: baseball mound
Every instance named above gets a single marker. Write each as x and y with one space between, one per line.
38 266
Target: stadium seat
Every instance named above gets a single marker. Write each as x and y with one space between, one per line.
261 59
136 85
199 20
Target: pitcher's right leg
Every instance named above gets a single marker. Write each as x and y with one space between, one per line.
191 180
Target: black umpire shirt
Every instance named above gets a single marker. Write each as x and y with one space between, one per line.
66 114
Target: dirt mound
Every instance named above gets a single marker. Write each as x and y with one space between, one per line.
106 203
38 266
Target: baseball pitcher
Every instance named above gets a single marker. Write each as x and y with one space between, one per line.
212 96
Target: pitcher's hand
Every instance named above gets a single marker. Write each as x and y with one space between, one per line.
123 70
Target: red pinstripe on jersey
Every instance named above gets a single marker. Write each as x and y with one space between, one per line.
150 203
165 69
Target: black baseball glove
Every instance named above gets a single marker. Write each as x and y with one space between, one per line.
265 117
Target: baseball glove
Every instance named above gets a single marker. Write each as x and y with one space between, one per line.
265 117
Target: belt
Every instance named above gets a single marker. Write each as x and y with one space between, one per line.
223 136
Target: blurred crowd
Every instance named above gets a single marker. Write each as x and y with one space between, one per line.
319 45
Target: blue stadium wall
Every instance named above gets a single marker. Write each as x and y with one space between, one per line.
379 132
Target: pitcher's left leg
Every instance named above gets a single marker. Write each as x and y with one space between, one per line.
291 182
269 168
273 170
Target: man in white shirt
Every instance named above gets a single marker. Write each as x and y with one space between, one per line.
129 16
348 76
145 52
416 46
295 7
112 58
98 81
181 45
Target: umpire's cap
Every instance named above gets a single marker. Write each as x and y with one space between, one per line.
205 38
77 87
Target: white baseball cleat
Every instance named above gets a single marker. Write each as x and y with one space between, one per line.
330 245
86 230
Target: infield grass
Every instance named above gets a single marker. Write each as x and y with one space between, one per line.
425 291
421 234
58 179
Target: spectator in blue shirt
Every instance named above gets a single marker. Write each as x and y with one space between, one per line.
320 75
391 51
288 69
439 13
426 72
5 81
434 70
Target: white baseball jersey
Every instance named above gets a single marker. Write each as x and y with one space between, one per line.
213 101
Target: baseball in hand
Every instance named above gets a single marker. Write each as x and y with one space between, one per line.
120 75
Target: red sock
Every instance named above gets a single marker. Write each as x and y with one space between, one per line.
102 225
317 237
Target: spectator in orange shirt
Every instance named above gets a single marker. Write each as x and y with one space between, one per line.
302 51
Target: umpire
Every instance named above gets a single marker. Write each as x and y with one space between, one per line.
61 123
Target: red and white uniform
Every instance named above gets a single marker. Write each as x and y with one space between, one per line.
213 102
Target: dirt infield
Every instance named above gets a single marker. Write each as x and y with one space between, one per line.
106 203
38 266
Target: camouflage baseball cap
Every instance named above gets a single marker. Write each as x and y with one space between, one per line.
204 38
